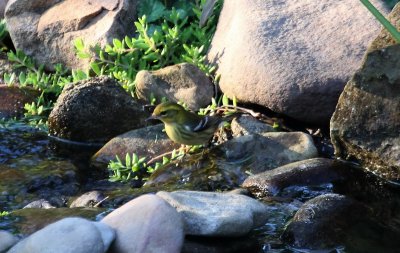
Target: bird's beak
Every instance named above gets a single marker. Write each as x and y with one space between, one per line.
152 117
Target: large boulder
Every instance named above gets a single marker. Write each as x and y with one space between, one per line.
95 110
293 57
217 214
45 29
366 122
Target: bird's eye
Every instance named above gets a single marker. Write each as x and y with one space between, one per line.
163 113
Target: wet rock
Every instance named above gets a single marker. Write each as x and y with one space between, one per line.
146 224
41 203
28 179
45 30
95 110
366 122
292 57
6 240
200 244
89 199
246 124
29 220
323 222
269 150
182 82
307 172
18 140
13 100
68 235
217 214
147 142
226 166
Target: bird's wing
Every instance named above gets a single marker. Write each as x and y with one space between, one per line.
203 123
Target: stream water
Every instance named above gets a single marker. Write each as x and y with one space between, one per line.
30 169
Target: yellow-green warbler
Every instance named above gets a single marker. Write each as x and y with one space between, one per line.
185 127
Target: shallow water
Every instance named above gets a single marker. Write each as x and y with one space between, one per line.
27 153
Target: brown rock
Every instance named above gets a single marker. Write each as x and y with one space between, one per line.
307 172
46 29
13 100
182 82
145 142
95 110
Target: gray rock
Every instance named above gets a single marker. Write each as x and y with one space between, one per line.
217 214
323 222
95 110
147 142
69 235
182 82
3 4
6 241
246 124
146 224
366 122
46 29
89 199
307 172
269 150
41 203
293 57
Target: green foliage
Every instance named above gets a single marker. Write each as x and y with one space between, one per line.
165 37
50 84
125 171
3 34
4 213
386 23
136 168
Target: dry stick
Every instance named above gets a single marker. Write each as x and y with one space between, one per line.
254 114
101 201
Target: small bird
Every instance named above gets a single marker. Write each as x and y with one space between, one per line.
185 127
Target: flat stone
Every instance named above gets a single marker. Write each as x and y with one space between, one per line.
217 214
146 142
269 150
307 172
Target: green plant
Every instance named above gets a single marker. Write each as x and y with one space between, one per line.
4 213
165 37
3 34
134 168
386 23
50 84
125 171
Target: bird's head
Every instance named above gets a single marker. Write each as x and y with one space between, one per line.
168 112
